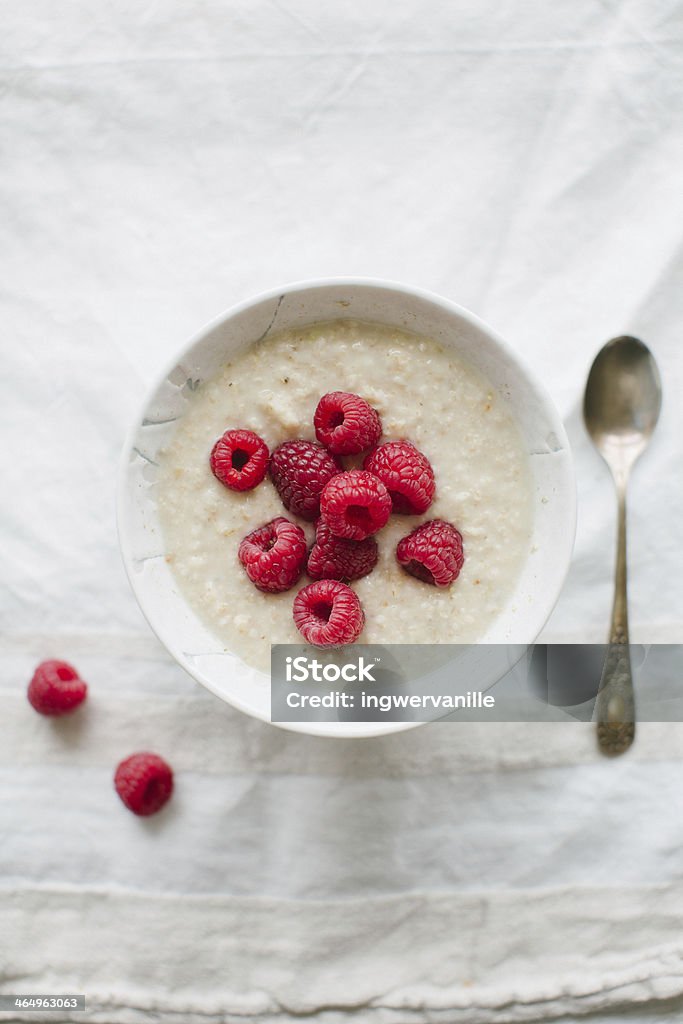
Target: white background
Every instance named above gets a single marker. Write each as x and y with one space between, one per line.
160 162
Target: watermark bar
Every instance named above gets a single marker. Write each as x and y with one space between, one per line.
27 1001
465 682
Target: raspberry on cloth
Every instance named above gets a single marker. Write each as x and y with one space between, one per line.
144 782
56 688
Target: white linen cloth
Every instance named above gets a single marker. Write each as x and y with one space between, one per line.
162 161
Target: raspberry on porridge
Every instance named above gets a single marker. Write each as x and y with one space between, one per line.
239 459
346 424
432 553
407 475
355 504
300 469
328 614
274 555
335 558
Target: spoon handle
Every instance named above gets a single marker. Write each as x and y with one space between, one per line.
615 706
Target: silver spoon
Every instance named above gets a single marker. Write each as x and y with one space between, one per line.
620 408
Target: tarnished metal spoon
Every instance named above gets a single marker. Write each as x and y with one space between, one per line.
621 407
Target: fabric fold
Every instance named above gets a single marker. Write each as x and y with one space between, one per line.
228 959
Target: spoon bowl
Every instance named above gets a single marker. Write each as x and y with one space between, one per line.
622 401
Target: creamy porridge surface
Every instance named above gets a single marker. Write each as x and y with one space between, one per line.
424 393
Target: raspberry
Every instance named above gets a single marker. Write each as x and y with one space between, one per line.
406 474
144 782
239 459
333 558
432 553
56 688
328 614
300 470
274 555
346 424
355 504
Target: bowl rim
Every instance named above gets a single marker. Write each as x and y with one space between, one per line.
563 554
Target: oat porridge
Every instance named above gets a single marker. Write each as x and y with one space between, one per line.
423 392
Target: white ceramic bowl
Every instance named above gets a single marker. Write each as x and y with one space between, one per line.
190 642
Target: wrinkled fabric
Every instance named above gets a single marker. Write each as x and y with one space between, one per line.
161 162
